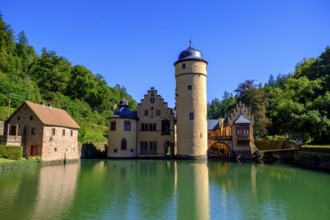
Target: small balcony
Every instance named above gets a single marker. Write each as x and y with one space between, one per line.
220 137
11 140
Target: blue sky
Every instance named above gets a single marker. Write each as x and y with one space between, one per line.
135 43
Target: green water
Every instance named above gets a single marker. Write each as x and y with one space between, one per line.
149 189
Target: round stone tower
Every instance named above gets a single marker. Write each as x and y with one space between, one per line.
191 104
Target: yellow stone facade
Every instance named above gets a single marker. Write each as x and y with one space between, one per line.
191 108
122 137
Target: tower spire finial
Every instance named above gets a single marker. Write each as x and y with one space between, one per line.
190 42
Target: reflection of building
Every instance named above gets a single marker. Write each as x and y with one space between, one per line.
155 130
43 131
56 191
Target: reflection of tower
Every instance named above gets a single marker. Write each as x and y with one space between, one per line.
191 110
193 199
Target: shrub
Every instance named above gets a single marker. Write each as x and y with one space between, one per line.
274 144
11 152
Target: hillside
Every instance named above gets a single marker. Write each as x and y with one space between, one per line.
52 79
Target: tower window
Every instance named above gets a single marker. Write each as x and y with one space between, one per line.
191 116
189 87
113 126
127 125
183 66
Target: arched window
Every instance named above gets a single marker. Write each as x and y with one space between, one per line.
123 144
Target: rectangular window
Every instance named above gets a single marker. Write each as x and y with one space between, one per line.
183 66
53 131
191 116
153 147
143 147
112 125
158 112
189 87
71 133
127 125
146 112
144 127
33 131
63 132
166 127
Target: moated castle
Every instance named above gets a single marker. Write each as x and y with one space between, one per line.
157 131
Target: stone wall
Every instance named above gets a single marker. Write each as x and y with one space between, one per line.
313 161
61 145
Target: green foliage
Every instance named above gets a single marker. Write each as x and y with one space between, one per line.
11 152
52 79
257 100
221 108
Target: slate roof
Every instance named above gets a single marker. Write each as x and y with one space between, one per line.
212 124
190 54
51 116
242 120
123 111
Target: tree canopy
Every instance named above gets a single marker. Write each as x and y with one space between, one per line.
50 78
295 104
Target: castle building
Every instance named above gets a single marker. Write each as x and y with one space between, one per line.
156 131
42 131
147 132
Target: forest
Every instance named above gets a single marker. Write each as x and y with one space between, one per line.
51 79
295 105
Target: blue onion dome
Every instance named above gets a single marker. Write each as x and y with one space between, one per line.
190 54
123 111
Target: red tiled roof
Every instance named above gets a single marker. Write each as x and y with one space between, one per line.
52 116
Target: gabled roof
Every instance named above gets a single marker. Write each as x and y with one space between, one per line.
242 120
212 124
51 116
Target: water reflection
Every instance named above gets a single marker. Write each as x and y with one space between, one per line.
56 190
193 190
44 193
148 189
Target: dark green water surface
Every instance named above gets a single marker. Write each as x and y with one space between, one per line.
157 189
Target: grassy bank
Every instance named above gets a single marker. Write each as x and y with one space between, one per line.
316 148
6 164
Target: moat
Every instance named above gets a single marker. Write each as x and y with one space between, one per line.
160 189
